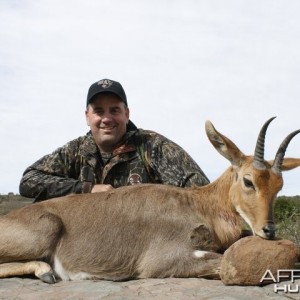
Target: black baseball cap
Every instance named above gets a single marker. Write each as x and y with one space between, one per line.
104 86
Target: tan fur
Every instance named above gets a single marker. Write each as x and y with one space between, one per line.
143 230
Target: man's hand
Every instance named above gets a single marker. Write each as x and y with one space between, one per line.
101 188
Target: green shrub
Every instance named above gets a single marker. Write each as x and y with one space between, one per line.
287 218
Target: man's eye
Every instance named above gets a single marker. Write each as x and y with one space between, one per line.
248 183
115 111
98 112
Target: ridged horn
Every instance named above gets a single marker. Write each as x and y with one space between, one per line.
259 152
281 151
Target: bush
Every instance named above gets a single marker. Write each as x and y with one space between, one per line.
287 218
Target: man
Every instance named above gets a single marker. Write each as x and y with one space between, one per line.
114 153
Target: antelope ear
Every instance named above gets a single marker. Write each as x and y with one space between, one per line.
288 163
224 145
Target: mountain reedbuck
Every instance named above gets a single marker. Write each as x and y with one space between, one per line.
147 230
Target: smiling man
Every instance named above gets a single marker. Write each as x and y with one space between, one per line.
112 154
107 117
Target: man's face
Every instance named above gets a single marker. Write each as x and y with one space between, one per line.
107 117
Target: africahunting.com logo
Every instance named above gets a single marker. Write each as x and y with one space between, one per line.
284 280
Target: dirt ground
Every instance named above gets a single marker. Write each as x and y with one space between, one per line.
170 288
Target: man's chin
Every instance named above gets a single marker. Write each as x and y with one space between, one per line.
107 143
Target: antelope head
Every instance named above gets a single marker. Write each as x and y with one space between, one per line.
255 182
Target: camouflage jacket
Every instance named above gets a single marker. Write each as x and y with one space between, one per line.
142 157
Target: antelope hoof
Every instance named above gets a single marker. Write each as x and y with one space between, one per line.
48 277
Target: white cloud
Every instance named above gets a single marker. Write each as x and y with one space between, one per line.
180 62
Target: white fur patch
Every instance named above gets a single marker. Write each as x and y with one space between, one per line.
65 275
59 270
199 253
243 215
81 276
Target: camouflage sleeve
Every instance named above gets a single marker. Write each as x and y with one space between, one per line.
51 176
173 165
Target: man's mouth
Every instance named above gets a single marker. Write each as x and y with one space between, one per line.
108 128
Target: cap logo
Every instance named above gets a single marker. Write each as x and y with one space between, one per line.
105 83
135 179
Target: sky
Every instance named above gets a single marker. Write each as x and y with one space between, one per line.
234 62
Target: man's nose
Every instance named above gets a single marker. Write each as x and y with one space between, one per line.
106 117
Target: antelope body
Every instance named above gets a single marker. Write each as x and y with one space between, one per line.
147 230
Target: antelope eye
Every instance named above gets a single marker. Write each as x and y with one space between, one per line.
248 183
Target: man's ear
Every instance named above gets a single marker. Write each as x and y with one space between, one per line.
86 117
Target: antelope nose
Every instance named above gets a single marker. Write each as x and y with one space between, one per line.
269 231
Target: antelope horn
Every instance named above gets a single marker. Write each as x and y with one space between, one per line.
258 161
276 167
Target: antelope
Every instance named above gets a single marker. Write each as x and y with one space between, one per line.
147 230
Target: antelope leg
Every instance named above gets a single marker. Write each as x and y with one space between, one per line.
38 268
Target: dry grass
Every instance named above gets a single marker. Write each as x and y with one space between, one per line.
10 202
